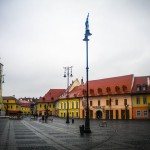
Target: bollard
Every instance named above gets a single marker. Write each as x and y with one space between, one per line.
72 120
81 129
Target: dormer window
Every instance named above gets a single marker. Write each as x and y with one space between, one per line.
144 87
138 88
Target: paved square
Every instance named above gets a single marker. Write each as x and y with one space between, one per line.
29 134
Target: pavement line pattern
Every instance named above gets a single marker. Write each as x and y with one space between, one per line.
61 129
49 139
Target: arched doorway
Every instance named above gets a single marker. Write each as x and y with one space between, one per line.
99 114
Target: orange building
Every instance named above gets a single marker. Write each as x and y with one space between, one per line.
109 98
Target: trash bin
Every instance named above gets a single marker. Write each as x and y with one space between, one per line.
81 129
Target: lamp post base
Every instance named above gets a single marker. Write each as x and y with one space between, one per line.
67 119
87 130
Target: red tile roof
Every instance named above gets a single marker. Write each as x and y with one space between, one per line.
25 103
76 92
140 81
112 83
52 95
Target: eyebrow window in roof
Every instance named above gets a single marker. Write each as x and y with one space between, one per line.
138 88
144 87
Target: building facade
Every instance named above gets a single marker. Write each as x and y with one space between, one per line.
11 105
141 98
46 104
109 98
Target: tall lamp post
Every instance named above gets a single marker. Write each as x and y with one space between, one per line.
67 73
87 34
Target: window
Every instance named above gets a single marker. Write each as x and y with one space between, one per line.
90 103
77 106
138 113
11 106
144 87
138 88
137 100
72 105
144 100
107 102
99 103
116 101
40 106
53 105
7 101
125 102
145 113
64 105
50 105
61 105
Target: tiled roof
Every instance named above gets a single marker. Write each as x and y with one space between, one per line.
112 83
9 98
141 81
76 92
52 95
25 103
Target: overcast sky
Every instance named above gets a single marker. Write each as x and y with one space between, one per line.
40 37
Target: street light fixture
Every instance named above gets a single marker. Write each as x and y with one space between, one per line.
67 73
87 34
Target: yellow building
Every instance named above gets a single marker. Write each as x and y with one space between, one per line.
46 104
70 101
141 97
73 107
25 107
11 105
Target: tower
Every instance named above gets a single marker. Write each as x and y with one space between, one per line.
1 82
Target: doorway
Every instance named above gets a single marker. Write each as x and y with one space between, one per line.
99 114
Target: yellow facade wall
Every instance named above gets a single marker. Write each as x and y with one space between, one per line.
26 110
12 105
73 108
141 110
43 107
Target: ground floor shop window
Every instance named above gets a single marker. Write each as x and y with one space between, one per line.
145 113
138 113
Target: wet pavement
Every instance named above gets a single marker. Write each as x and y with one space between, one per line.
29 134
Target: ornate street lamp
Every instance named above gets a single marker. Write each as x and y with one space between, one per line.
87 34
67 73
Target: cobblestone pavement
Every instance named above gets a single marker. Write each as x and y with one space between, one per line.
28 134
